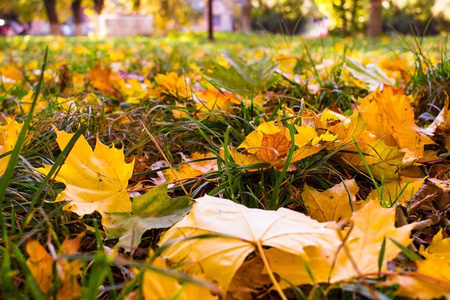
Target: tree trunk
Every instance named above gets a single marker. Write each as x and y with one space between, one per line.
344 17
98 6
210 21
50 8
136 6
375 18
354 10
246 16
76 13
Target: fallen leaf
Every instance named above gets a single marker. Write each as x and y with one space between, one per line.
154 209
105 80
95 180
158 286
240 231
389 115
332 204
430 281
396 192
40 264
8 138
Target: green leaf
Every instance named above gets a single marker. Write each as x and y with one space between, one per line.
370 74
154 209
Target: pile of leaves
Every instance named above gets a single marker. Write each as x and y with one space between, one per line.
141 169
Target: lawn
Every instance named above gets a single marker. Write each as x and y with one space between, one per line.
255 166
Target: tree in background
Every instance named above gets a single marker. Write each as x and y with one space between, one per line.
246 16
52 16
375 26
77 19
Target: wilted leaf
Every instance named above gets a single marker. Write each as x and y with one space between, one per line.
241 231
95 180
105 80
154 209
332 204
41 266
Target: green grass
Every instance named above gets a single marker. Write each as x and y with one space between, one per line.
27 198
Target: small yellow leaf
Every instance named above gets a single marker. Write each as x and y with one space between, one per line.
401 191
332 204
8 138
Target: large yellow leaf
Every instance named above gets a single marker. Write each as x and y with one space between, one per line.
95 180
241 231
332 204
8 138
357 256
439 247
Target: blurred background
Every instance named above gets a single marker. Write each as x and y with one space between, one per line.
311 18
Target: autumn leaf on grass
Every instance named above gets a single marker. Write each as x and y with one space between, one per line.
332 204
383 161
357 256
105 80
268 141
173 84
26 101
95 180
154 209
159 286
40 263
192 169
369 227
241 231
430 281
389 115
397 191
8 138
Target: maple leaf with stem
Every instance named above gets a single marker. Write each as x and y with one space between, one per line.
96 180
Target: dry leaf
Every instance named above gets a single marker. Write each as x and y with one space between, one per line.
105 80
241 231
332 204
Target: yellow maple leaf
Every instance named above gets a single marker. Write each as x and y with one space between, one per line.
27 100
8 138
214 101
332 204
95 180
389 115
158 286
241 231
